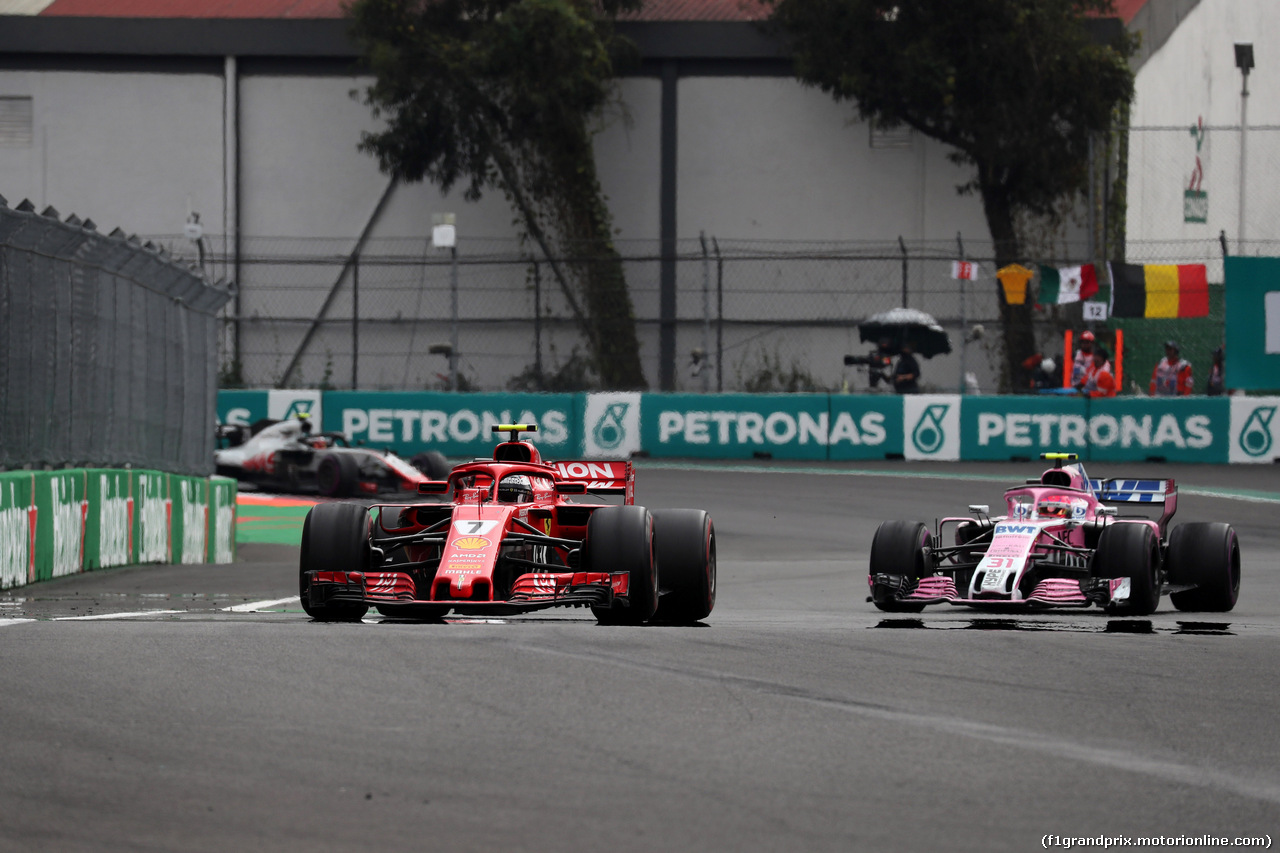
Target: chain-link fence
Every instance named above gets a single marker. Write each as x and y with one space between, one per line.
107 349
750 315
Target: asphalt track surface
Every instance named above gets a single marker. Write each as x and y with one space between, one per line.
797 718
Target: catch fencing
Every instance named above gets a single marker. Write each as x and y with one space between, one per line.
107 349
752 316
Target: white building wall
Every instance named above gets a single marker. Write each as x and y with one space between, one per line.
137 151
1192 79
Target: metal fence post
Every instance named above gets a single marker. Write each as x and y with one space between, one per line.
706 313
537 320
355 319
902 244
453 313
719 315
964 320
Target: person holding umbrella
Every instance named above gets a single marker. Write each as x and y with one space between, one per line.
906 373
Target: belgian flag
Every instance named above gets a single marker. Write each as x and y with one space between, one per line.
1159 290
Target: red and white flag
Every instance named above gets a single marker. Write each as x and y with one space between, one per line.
966 270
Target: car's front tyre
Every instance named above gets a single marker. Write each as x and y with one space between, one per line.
1131 551
899 549
335 538
620 539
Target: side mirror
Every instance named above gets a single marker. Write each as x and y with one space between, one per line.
1109 510
981 509
571 488
433 487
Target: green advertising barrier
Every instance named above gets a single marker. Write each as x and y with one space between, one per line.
1168 429
108 530
152 509
456 425
60 521
1182 429
242 407
222 520
18 517
735 426
1253 323
835 427
865 426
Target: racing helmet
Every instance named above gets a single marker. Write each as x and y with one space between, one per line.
515 488
1053 506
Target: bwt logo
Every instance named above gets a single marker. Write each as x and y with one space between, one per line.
1015 528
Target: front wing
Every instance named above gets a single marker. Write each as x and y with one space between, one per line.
394 593
889 590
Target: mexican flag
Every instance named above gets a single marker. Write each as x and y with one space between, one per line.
1067 284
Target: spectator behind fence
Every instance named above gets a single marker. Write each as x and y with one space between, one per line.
906 374
1045 375
1172 374
1101 382
1216 386
1082 367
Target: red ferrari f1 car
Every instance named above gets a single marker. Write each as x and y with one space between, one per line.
1063 543
517 535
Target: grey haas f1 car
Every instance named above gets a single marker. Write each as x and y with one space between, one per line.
1066 541
288 456
516 535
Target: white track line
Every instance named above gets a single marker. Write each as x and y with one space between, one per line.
115 615
4 622
255 606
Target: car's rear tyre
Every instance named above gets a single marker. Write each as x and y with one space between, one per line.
1207 554
620 539
899 549
337 475
1131 551
335 538
685 547
432 463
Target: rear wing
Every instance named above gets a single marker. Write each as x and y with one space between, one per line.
612 477
1119 491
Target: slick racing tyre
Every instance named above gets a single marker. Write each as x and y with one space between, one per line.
1131 551
685 544
335 538
337 475
620 539
1206 554
433 464
898 549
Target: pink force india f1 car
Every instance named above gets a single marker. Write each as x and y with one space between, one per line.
1064 543
517 535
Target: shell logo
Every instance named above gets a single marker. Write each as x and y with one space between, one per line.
471 543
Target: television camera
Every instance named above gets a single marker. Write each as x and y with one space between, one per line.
876 362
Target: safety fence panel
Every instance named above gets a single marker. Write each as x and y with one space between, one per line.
59 523
107 349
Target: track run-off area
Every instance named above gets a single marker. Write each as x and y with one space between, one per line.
197 708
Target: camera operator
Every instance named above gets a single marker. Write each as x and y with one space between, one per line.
877 363
906 375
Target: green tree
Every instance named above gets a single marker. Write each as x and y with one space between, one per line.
1016 88
507 94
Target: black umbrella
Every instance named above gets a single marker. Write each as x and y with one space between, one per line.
901 326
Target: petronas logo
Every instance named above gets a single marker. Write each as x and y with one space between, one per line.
928 434
1255 438
609 431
